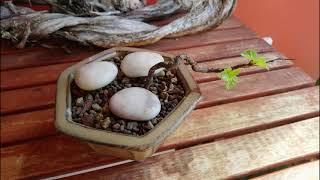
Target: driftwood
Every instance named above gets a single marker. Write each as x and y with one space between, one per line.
113 26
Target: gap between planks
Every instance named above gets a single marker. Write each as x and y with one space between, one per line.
232 158
202 125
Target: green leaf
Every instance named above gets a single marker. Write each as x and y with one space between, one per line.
229 76
249 54
260 62
252 55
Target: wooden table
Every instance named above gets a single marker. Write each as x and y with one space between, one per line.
266 128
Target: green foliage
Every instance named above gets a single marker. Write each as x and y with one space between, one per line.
249 54
318 82
255 59
229 76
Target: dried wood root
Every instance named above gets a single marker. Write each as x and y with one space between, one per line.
109 30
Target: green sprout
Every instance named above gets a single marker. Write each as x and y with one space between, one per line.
230 76
255 59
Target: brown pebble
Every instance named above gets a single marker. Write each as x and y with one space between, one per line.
87 105
149 125
171 87
79 102
105 123
169 74
125 80
88 120
105 109
153 89
174 80
78 110
122 122
116 126
99 116
98 126
92 112
128 85
89 97
96 107
175 102
154 121
132 125
171 97
122 128
164 95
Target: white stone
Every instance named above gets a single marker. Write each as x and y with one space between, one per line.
138 64
95 75
135 104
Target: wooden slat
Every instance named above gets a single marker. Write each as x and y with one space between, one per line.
42 56
254 85
214 92
309 171
202 39
304 103
34 76
235 118
201 126
27 104
26 99
12 79
19 132
54 56
47 156
26 126
231 158
227 62
20 78
220 50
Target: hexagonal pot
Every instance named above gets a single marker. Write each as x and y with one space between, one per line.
117 144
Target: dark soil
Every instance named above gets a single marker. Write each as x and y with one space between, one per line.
91 108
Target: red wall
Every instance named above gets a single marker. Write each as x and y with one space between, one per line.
292 24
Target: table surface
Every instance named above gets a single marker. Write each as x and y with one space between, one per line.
265 128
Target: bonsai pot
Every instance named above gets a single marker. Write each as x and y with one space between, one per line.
118 144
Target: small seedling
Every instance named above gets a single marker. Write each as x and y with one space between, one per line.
230 75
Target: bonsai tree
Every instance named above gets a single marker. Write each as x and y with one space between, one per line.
229 75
